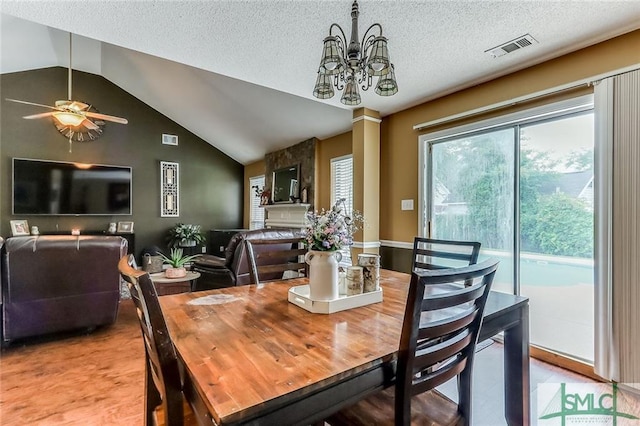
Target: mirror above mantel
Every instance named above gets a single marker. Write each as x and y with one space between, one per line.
286 184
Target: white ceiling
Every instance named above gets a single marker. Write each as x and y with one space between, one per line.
240 73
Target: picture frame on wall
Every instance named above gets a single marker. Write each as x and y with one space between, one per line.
19 227
125 227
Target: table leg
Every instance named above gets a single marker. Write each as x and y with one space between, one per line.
516 371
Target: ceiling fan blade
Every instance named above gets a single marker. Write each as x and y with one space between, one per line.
32 103
106 117
90 124
41 115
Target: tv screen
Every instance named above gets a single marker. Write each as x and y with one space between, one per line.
43 187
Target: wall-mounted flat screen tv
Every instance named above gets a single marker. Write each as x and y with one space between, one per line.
43 187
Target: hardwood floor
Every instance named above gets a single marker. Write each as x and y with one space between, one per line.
98 379
92 379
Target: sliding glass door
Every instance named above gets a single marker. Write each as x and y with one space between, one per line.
556 233
472 196
525 191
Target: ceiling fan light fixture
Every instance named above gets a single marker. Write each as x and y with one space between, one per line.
68 118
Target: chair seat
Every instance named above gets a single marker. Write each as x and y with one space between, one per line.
210 261
427 409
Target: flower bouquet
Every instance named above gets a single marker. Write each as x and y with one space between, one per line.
333 229
327 233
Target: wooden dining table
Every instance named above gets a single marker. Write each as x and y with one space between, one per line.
251 357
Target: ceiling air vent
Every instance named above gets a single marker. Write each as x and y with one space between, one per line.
511 46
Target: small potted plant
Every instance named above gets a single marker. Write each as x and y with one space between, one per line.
185 235
177 261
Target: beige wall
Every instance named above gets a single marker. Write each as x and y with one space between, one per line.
399 148
250 170
399 142
327 149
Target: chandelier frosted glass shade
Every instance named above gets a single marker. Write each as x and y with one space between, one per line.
332 61
349 63
324 87
387 84
378 63
351 95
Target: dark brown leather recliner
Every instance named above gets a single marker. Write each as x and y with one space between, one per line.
233 269
53 283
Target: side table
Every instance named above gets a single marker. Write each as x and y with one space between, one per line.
166 285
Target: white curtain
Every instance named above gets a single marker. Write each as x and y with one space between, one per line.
617 169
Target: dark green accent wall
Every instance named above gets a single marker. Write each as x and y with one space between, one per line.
211 183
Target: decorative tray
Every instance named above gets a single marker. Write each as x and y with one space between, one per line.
299 296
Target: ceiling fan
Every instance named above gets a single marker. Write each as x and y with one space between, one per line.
77 121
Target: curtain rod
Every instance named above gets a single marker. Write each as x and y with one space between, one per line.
526 98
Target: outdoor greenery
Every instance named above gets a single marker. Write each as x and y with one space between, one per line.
478 175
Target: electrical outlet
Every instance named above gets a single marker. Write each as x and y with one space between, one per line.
221 249
204 249
407 205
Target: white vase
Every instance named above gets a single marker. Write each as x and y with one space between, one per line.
323 274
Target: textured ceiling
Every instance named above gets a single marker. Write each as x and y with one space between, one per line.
242 72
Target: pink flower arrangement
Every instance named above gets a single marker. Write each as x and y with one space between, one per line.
331 230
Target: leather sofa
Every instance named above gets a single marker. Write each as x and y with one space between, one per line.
233 269
59 283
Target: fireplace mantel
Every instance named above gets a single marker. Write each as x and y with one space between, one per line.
286 215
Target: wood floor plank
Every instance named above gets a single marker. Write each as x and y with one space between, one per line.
90 379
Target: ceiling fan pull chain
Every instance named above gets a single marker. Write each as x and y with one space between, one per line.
70 144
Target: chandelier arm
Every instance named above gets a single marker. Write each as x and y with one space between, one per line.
344 37
368 83
337 81
366 37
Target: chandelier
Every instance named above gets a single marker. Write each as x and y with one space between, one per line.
354 65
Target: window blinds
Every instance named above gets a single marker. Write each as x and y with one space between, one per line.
617 232
342 181
342 187
256 213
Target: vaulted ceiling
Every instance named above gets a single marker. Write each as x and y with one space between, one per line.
239 74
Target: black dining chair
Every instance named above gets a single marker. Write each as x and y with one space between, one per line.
429 253
164 400
438 340
269 259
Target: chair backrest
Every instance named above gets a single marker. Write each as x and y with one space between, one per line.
237 256
162 365
429 254
270 258
440 331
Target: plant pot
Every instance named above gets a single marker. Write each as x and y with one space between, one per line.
187 243
323 274
175 272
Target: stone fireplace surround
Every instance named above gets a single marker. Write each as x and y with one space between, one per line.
303 154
